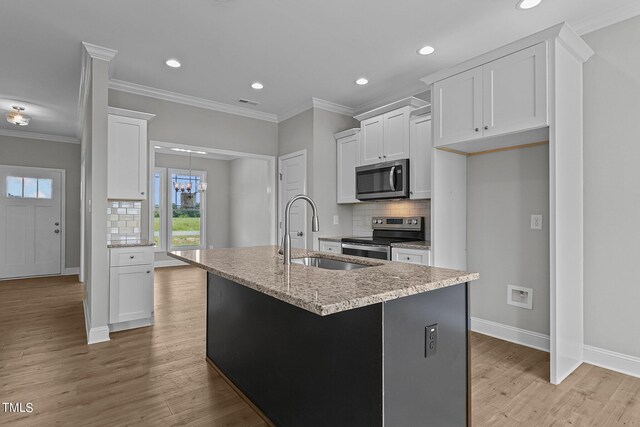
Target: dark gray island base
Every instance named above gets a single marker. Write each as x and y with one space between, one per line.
365 366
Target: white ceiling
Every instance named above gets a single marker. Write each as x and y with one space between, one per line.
299 49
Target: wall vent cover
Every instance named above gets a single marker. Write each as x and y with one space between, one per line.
248 102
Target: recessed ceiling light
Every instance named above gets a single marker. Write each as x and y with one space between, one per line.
362 81
257 85
157 147
173 63
426 50
528 4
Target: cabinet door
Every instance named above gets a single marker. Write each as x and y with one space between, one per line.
130 293
420 159
412 256
372 134
515 92
332 247
126 158
457 108
347 160
396 134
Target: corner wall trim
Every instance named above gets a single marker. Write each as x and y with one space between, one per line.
94 335
510 333
618 362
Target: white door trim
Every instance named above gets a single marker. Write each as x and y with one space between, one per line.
281 202
63 202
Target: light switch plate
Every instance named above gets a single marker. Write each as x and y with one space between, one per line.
536 222
336 220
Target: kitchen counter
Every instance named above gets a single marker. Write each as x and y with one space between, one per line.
138 243
317 290
421 245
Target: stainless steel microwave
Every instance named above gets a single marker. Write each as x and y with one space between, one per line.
388 180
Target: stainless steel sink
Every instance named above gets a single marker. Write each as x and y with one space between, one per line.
327 263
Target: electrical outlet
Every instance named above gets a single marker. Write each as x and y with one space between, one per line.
336 220
430 340
536 222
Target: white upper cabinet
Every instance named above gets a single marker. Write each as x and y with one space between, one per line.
396 134
457 108
372 140
348 156
515 92
420 158
127 151
503 96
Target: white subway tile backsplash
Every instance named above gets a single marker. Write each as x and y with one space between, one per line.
364 212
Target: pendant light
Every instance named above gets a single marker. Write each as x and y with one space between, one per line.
17 117
188 187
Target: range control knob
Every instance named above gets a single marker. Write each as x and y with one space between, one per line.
414 221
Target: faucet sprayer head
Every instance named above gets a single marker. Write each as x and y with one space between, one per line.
315 224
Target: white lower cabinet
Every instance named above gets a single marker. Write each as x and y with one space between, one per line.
329 246
411 256
130 288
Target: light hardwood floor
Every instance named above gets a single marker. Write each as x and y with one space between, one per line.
158 375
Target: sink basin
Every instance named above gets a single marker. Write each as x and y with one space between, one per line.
328 264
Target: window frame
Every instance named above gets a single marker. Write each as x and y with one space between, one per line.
162 247
169 209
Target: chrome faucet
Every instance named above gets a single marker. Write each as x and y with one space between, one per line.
285 248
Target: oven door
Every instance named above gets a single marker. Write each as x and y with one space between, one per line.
367 251
388 180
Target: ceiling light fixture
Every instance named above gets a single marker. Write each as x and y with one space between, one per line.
528 4
362 81
257 85
426 50
17 117
173 63
188 187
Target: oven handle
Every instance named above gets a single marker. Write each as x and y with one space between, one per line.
372 248
392 181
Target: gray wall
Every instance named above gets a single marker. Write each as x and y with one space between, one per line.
249 220
612 188
295 134
56 155
183 124
504 189
325 124
217 195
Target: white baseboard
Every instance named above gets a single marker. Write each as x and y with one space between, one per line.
94 335
623 363
131 324
511 333
169 263
618 362
71 271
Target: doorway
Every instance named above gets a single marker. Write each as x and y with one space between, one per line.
31 221
293 181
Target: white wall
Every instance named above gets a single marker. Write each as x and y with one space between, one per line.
612 188
503 190
249 214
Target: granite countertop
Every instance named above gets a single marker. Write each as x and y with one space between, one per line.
318 290
421 244
137 243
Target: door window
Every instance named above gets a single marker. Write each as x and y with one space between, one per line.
23 187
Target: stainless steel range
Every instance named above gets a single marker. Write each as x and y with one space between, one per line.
386 230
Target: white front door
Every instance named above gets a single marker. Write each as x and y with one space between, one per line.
30 221
293 181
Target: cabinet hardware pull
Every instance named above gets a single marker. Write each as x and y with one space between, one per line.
408 258
132 257
148 271
142 193
477 129
486 127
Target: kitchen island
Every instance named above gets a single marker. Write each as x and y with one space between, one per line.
382 345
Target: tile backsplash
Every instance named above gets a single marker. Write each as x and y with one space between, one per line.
363 212
123 221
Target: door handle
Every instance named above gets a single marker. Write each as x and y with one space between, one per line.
56 231
300 234
392 181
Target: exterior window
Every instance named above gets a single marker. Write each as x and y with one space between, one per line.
186 228
29 188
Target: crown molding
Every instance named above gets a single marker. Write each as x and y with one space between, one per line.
130 113
193 101
35 135
410 101
332 106
390 97
99 52
605 19
300 108
346 133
